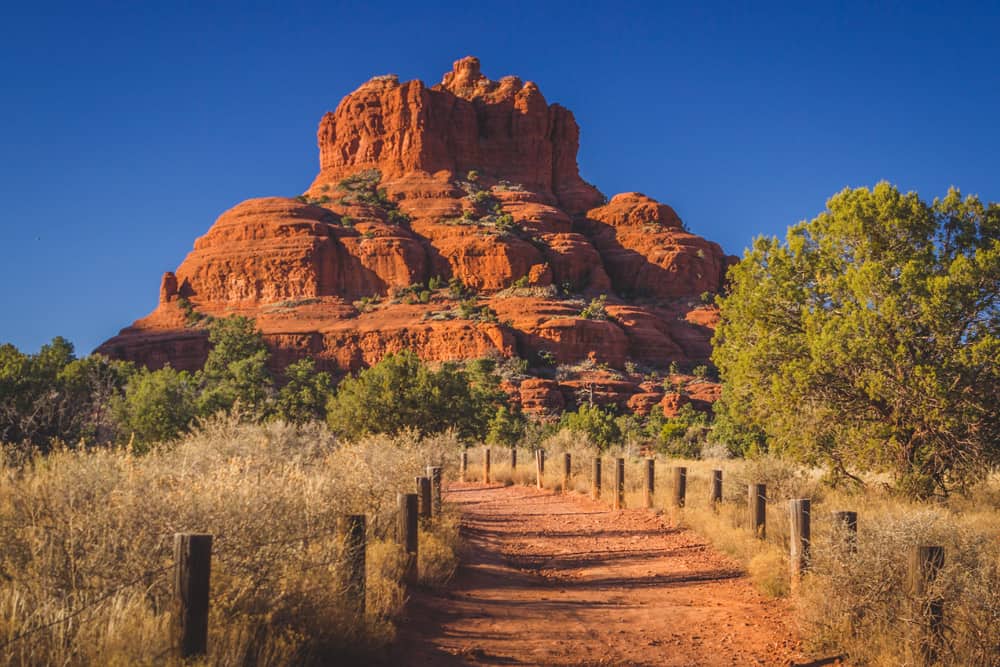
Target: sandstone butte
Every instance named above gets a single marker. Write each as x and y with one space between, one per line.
471 180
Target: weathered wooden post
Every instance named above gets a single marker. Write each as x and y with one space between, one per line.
595 479
192 570
513 460
406 531
716 486
486 465
465 465
434 472
758 510
680 486
927 610
567 470
847 523
424 492
650 482
540 467
351 528
619 483
799 538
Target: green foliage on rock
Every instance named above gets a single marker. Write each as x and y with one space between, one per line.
595 310
870 339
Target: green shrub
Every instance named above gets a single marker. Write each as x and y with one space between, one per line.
596 423
595 310
52 395
506 427
236 369
305 394
402 392
157 406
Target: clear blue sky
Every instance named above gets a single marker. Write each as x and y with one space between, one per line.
127 128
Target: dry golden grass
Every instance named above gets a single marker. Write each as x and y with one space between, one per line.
86 562
853 601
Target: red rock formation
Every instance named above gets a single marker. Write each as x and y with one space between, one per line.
471 179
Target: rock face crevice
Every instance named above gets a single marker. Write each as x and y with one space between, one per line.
472 181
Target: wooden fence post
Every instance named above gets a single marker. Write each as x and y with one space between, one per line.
595 478
424 492
799 538
351 528
486 465
927 611
650 482
567 470
680 486
465 464
513 459
758 510
716 486
434 472
540 467
848 523
619 483
192 570
406 531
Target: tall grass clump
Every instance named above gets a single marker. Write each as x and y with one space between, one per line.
86 564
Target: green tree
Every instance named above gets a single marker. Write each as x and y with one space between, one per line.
598 424
870 339
507 427
157 406
402 392
52 395
305 394
236 369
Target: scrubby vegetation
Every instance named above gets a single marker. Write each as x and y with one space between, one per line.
87 558
870 340
860 362
363 189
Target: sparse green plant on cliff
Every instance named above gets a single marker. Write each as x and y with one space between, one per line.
458 290
596 310
362 188
870 338
192 317
471 310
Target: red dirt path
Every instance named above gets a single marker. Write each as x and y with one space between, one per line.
561 580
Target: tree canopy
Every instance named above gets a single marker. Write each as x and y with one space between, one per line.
869 339
402 392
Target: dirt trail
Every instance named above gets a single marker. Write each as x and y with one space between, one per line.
560 580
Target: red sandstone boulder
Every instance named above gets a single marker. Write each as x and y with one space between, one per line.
539 396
